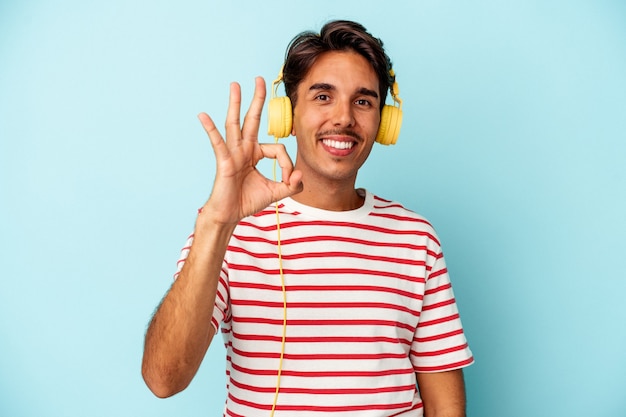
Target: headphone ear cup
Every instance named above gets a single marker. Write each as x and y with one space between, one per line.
390 122
280 117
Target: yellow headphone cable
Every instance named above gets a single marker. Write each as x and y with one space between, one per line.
282 284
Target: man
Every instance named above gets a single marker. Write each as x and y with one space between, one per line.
334 301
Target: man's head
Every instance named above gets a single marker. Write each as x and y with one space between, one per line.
340 35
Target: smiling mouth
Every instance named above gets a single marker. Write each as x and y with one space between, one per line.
337 144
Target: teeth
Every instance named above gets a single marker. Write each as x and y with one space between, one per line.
337 144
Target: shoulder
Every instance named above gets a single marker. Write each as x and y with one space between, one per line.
394 215
396 211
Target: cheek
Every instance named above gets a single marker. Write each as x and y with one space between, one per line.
296 126
368 149
371 126
302 124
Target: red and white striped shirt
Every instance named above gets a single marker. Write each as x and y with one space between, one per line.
369 304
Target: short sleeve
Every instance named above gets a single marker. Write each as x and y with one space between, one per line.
439 343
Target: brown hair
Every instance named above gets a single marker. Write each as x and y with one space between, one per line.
337 35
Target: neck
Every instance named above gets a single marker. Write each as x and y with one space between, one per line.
331 198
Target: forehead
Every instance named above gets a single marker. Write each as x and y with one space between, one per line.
341 69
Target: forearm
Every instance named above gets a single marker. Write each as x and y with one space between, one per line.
443 393
180 331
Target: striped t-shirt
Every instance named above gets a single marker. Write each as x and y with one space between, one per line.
369 304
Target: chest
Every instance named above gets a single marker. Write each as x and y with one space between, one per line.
335 284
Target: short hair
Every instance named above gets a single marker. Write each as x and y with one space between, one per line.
336 35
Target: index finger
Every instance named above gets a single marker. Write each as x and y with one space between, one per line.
278 152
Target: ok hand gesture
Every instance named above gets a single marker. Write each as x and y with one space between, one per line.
239 189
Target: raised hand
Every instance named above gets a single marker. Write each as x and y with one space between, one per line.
240 189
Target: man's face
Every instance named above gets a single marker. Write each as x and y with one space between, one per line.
336 117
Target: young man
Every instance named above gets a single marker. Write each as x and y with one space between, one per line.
333 302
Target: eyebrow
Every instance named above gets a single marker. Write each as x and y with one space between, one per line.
325 86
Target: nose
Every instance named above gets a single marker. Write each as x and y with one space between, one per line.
343 115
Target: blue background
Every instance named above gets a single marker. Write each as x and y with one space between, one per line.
513 145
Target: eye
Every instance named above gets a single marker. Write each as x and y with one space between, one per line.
363 102
322 97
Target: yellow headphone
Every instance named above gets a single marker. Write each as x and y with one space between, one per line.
280 115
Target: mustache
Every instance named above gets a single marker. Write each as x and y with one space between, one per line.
341 132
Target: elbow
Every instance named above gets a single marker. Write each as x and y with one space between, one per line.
160 384
160 390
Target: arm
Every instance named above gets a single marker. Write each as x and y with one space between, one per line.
443 393
181 331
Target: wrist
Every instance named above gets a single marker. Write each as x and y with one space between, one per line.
209 221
